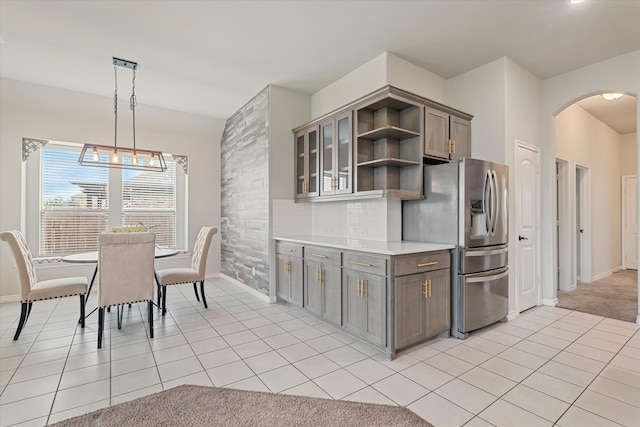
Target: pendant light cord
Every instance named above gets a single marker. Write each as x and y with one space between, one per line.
132 105
115 107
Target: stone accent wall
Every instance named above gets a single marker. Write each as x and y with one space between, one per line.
245 194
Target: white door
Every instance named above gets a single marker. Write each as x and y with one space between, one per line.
527 197
630 222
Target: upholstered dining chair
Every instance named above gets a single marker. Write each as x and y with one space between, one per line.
176 276
30 289
126 267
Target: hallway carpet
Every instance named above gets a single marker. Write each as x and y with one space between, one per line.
614 296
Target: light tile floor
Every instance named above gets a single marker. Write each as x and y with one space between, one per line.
548 367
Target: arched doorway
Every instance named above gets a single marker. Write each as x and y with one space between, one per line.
595 146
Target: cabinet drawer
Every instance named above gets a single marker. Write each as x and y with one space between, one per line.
287 248
327 255
422 262
367 263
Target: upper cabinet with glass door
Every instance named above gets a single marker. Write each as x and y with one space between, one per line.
307 162
336 159
376 146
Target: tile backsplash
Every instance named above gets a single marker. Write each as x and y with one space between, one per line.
372 219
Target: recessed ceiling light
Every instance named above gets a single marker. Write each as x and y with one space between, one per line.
576 1
611 96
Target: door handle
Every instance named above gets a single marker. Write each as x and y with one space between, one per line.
522 238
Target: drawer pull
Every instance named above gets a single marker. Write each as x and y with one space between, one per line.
288 250
319 255
428 264
364 264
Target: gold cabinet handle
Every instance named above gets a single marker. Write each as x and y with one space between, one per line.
364 264
428 264
453 142
321 280
288 250
429 287
360 287
319 255
424 291
317 275
286 266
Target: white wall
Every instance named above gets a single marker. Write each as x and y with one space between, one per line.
35 111
618 74
584 140
385 69
629 154
482 93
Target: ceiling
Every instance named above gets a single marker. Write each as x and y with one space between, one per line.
211 57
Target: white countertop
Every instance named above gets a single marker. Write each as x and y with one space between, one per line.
402 247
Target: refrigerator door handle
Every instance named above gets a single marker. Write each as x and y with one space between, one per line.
487 252
494 206
478 279
486 203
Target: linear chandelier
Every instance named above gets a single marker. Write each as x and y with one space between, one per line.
121 157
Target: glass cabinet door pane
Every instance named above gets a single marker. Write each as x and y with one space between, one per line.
344 145
313 162
300 163
327 157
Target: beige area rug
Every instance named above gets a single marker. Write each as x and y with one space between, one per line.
191 405
615 296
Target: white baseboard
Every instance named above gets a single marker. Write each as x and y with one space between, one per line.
513 315
606 273
552 302
9 298
255 292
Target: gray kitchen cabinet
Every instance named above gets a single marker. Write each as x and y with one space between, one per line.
364 306
289 277
323 283
422 306
336 155
422 299
375 146
307 162
390 301
446 136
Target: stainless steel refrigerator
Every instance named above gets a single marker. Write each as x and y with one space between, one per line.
466 204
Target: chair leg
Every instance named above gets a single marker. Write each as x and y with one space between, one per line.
164 300
23 318
82 311
29 311
150 318
120 312
204 300
100 325
195 289
159 288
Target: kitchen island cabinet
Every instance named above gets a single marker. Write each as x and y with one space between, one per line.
389 294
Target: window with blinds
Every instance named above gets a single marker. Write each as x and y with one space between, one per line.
77 203
149 198
74 202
